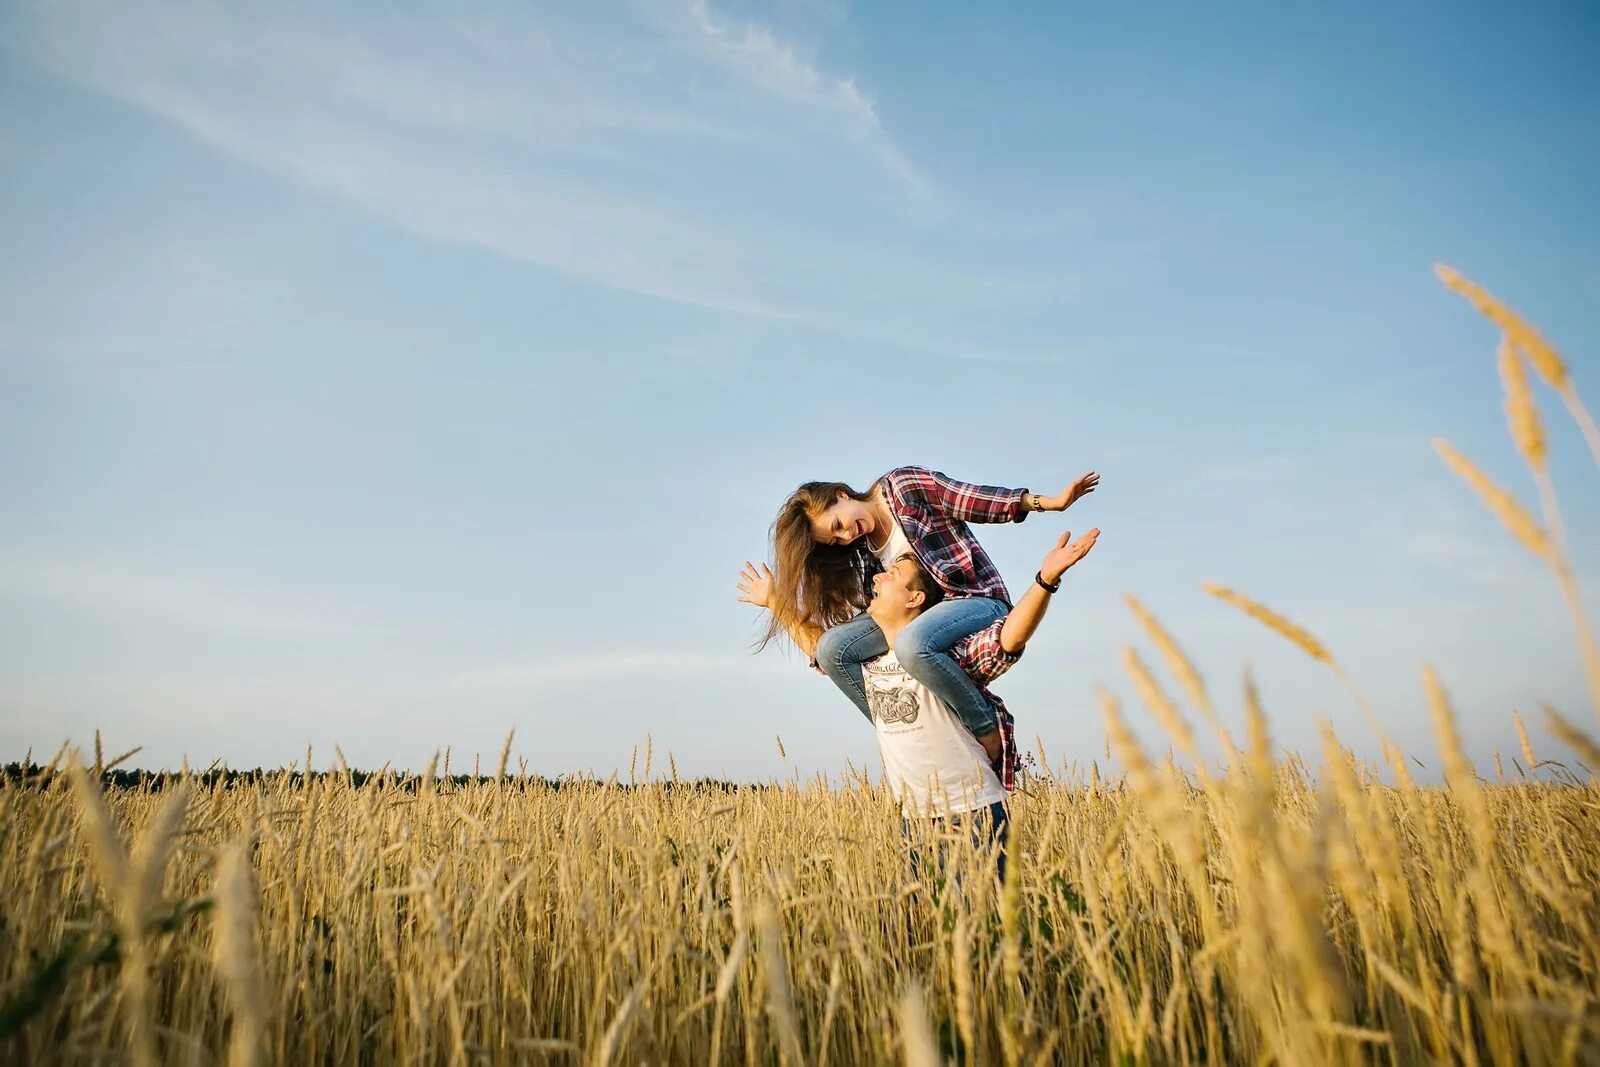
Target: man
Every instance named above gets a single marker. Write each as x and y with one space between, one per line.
935 767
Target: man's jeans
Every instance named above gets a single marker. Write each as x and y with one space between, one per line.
923 649
985 828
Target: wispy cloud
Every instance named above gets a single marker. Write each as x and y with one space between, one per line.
679 153
1479 559
1258 472
761 58
143 595
556 667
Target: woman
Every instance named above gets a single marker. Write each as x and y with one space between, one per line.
829 540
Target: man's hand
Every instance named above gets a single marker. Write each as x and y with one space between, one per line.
1067 552
991 744
756 585
1079 489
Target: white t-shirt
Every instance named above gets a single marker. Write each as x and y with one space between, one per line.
897 545
933 764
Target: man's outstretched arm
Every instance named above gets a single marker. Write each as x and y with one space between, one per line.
990 652
1024 619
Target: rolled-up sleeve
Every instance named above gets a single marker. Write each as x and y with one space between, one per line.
982 656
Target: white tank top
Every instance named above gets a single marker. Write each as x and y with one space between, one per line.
897 545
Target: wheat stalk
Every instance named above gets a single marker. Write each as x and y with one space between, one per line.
236 957
1546 361
1522 416
1182 668
1502 504
1301 637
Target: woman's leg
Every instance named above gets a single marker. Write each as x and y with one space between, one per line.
842 650
923 649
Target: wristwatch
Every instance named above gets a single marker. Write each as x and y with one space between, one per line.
1046 586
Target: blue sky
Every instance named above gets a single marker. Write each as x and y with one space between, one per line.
393 376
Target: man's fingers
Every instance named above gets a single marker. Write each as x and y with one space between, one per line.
1064 540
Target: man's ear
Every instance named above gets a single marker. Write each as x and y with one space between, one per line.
916 599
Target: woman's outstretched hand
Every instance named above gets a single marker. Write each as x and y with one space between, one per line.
1079 489
1065 554
756 585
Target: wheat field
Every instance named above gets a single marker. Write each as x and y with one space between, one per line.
1265 908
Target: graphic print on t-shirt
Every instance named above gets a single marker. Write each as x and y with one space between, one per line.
893 705
890 693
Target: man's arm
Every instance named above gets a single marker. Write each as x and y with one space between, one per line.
1024 619
992 651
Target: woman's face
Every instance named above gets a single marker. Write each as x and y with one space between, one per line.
842 522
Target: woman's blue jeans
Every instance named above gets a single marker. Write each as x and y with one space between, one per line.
923 649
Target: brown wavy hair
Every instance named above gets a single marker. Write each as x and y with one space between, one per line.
814 586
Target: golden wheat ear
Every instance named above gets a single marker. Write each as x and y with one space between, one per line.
1512 515
1540 353
1301 637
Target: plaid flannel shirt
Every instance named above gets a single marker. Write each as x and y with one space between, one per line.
934 510
984 659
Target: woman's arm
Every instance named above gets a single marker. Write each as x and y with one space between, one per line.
1063 500
756 585
971 502
966 501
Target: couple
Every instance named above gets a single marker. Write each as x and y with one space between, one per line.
937 626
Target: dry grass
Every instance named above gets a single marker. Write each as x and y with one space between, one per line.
1273 910
509 920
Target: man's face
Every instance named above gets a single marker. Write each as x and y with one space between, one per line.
893 598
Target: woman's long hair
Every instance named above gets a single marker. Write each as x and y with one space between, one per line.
814 586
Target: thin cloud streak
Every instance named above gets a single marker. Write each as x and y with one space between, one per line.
764 60
117 591
524 139
557 668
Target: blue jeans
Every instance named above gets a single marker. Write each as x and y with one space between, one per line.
984 828
923 649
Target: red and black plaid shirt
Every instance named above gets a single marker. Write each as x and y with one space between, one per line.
984 659
934 510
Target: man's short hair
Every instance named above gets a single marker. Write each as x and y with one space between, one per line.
922 582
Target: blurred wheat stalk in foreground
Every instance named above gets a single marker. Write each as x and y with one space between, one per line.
1269 910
